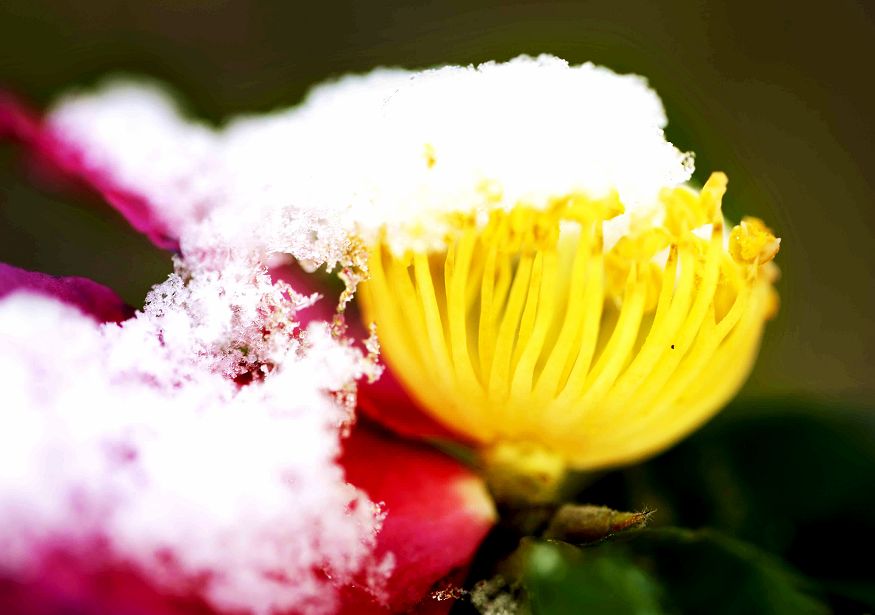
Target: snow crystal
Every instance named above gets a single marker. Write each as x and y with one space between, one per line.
116 433
392 148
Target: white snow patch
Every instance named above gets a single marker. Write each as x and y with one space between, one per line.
136 436
392 148
134 134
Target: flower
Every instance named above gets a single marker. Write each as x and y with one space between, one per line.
192 457
563 299
543 281
545 348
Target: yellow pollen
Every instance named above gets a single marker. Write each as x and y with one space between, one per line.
525 334
753 242
430 159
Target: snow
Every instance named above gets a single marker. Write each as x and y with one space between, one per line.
109 433
392 148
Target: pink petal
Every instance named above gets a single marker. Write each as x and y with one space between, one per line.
20 123
387 402
67 584
437 513
91 298
17 121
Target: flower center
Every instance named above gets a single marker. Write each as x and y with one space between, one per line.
525 329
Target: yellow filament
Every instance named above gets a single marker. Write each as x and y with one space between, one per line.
590 316
571 324
456 275
531 348
658 337
533 297
721 378
499 377
613 356
522 334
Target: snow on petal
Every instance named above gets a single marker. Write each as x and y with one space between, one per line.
131 143
107 435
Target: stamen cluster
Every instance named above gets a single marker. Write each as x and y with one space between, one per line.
527 331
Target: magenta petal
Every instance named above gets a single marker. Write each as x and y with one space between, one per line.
437 513
20 123
16 120
91 298
69 584
135 208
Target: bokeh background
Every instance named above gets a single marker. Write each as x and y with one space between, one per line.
776 94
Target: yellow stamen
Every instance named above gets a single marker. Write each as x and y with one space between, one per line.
753 242
525 335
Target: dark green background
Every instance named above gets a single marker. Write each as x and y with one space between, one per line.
778 95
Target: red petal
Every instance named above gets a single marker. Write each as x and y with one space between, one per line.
437 513
91 298
20 123
386 401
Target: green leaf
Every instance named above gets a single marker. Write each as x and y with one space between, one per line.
791 477
666 571
765 469
562 579
707 572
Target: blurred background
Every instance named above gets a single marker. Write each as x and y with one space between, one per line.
778 96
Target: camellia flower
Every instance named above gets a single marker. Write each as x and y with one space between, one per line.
543 282
543 285
558 297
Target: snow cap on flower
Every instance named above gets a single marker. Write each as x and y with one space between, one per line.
392 148
548 286
403 149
